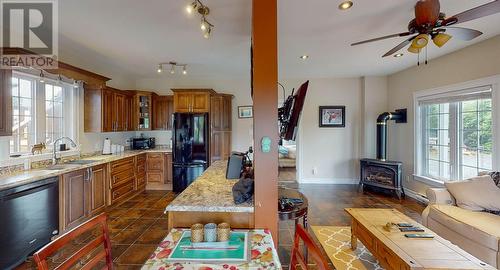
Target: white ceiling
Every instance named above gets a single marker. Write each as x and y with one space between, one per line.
134 36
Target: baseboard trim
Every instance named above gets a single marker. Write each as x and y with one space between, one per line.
329 181
417 196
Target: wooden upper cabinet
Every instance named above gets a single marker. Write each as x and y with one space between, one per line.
162 112
200 103
192 100
5 102
107 110
142 110
182 102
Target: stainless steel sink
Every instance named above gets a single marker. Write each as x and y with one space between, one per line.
57 167
81 161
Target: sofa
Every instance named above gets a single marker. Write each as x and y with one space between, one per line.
475 232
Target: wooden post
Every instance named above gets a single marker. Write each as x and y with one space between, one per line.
265 107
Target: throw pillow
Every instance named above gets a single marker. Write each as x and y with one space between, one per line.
494 175
477 194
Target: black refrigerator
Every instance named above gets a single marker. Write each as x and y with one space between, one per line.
190 148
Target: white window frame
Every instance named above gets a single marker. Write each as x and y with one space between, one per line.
494 82
71 106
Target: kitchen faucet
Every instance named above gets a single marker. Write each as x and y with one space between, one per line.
54 157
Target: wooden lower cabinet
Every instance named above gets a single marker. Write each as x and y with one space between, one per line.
159 171
75 198
122 180
140 172
98 189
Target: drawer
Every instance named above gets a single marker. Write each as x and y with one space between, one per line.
141 181
122 191
122 165
156 164
387 257
141 158
141 169
155 155
119 178
155 177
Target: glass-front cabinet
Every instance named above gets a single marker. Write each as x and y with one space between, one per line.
143 110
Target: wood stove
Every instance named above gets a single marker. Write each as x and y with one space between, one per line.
379 172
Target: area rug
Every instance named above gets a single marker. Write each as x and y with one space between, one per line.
336 242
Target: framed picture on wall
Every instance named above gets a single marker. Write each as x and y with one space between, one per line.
332 116
245 111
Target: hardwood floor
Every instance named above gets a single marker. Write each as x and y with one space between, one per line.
138 225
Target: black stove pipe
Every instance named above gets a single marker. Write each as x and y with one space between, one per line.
400 117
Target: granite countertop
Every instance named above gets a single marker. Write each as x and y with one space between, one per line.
211 192
30 176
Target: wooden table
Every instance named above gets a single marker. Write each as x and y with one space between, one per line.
262 255
394 251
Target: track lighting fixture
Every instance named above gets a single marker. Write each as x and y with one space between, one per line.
203 10
172 65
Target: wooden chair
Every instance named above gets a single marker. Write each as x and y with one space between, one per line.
103 239
312 249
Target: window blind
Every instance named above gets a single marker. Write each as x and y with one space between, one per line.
483 92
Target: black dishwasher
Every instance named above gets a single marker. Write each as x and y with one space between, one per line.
29 218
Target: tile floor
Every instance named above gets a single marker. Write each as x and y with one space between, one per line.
139 224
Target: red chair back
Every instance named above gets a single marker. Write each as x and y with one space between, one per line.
103 239
312 249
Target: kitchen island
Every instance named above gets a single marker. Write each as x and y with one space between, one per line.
210 199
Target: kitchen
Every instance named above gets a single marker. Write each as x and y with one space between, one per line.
76 144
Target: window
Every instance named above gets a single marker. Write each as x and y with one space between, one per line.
22 114
42 112
455 135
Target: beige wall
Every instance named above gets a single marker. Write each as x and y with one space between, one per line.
474 62
373 103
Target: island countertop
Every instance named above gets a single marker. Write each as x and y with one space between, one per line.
210 192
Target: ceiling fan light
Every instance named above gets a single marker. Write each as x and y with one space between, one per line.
413 49
441 39
420 41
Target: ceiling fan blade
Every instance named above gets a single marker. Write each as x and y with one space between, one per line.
427 12
463 33
381 38
475 13
399 47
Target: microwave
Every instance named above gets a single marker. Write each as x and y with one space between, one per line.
142 143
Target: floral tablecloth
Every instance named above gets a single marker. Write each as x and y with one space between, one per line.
263 255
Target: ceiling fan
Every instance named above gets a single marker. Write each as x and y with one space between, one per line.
431 23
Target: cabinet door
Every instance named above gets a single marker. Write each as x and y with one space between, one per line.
226 113
182 102
108 108
119 113
200 102
97 189
215 113
5 103
170 111
75 188
129 101
216 146
168 169
226 145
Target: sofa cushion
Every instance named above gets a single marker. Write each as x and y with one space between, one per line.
479 227
478 193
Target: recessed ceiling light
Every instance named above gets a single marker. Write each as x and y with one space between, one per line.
346 5
398 55
304 57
